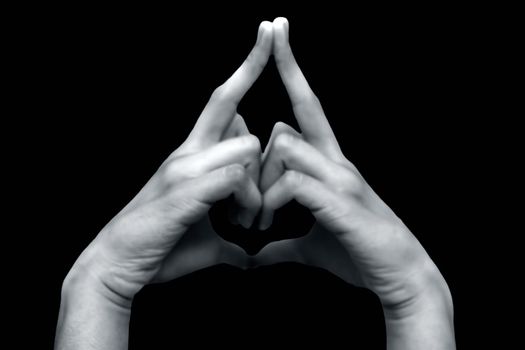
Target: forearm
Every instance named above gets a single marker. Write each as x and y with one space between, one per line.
425 321
90 317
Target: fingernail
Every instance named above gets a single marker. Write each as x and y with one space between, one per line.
263 225
244 220
265 221
250 220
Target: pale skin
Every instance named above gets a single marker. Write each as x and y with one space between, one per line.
164 232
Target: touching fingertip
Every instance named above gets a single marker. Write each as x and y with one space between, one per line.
266 26
280 29
241 220
250 221
265 221
280 21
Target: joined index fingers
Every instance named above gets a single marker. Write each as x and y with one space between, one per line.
221 108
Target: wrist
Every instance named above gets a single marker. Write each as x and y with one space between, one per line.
91 314
425 320
424 317
423 288
90 278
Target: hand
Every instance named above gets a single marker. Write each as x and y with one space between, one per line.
357 236
164 232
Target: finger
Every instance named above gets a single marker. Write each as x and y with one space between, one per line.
244 150
290 152
279 128
221 107
236 128
306 106
287 250
307 190
218 184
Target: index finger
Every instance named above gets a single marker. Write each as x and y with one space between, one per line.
222 106
306 106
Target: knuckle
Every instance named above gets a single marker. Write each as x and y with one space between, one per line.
349 183
281 128
294 178
280 125
345 162
219 93
284 141
235 172
171 171
181 169
252 143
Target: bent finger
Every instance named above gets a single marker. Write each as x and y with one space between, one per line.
279 128
238 128
218 184
293 153
307 190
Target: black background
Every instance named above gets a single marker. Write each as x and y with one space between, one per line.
115 91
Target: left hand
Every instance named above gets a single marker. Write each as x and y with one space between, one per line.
164 232
357 236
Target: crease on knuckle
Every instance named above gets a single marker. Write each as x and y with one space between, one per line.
350 184
279 127
252 144
284 141
181 169
172 172
294 179
223 96
219 93
235 172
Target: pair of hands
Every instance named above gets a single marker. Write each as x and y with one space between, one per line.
164 232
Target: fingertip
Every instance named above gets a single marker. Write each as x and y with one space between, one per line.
280 30
243 219
265 36
266 26
265 29
249 221
265 221
280 21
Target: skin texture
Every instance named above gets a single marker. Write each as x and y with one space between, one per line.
164 232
